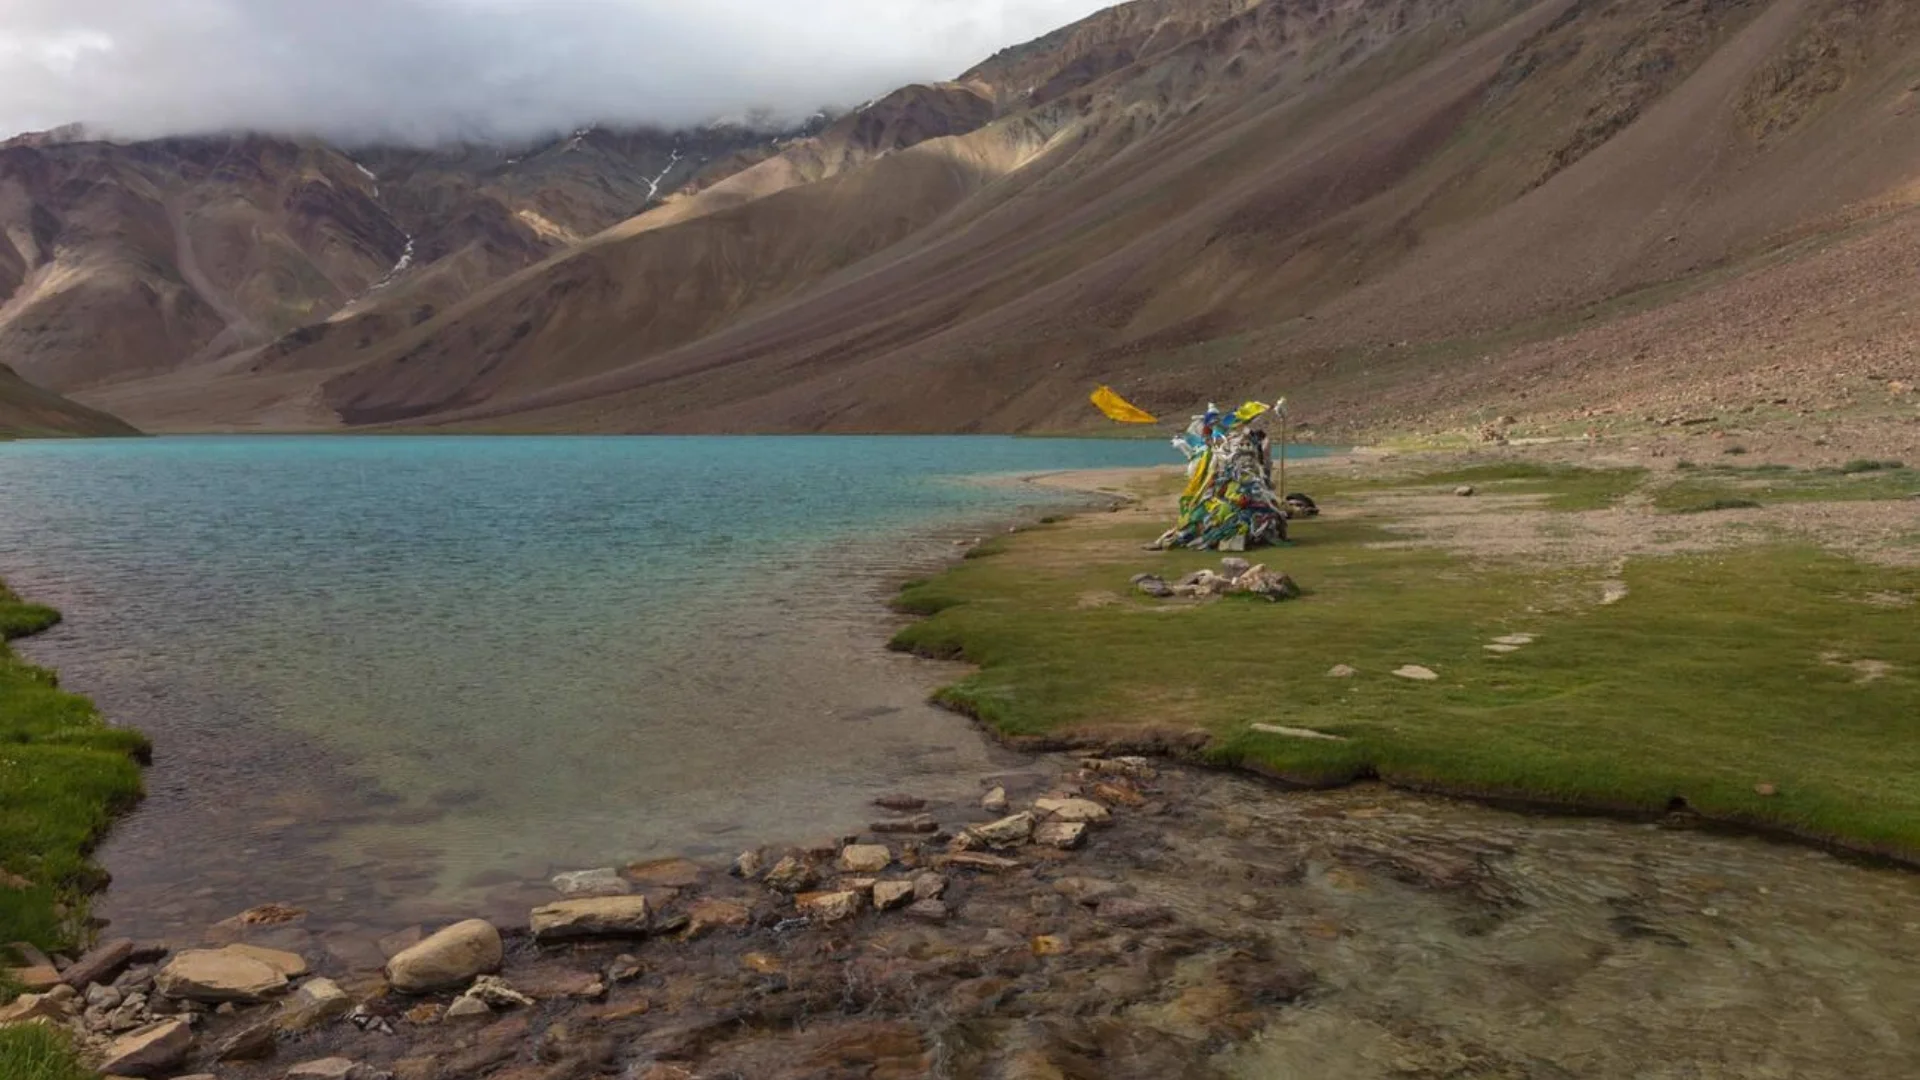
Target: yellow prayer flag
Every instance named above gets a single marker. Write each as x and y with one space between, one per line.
1118 408
1248 411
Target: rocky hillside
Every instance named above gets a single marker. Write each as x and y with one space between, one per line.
27 411
1391 209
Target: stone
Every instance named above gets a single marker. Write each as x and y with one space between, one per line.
888 895
919 824
862 885
604 881
1233 568
289 965
830 906
1765 790
1154 586
1497 648
672 873
495 991
976 860
1090 891
217 975
607 916
1117 793
333 1068
1463 490
1064 835
625 968
929 910
708 915
900 802
28 1008
425 1014
254 1042
1124 911
1341 671
99 965
748 865
1050 945
865 858
36 978
995 801
314 1003
1006 832
104 997
1131 767
929 886
446 959
1271 584
268 915
149 1051
1416 673
467 1008
1085 810
1516 639
63 992
1295 732
791 875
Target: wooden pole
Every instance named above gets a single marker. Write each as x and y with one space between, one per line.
1283 454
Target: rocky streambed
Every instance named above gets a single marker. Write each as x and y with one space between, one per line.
1085 917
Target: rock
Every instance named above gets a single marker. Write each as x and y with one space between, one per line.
900 802
103 997
607 916
1133 768
1154 586
467 1008
216 975
289 965
1050 945
604 881
1271 584
425 1014
1123 911
929 886
1463 490
268 915
31 1007
334 1068
865 858
707 915
995 801
920 824
1006 832
748 865
36 978
1090 891
1064 835
254 1042
99 965
1117 793
862 885
830 906
149 1051
1085 810
495 991
976 860
131 1014
1765 790
446 959
888 895
65 993
1341 671
791 875
314 1003
625 968
929 910
1232 568
1416 673
673 873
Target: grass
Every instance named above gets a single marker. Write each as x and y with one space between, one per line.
1708 487
1564 487
64 774
1715 675
38 1052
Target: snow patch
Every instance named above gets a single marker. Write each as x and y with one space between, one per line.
653 185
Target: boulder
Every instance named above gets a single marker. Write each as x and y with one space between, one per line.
149 1051
995 801
1064 835
217 975
865 858
314 1003
447 959
289 965
606 916
830 906
888 895
791 875
605 881
99 965
1085 810
1007 832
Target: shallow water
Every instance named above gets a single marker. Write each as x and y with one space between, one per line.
408 675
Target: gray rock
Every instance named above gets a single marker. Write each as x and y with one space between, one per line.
149 1051
1416 673
606 916
1007 832
104 997
447 959
1154 586
1234 567
929 886
1341 671
604 881
99 965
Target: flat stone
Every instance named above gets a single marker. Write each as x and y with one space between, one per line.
36 978
1516 639
929 886
99 965
865 858
314 1003
920 824
1064 835
496 992
604 881
928 910
666 873
888 895
1416 673
333 1068
1501 648
791 875
30 1007
977 860
467 1008
1090 891
830 906
1124 911
607 916
289 965
900 802
1296 733
1007 832
255 1042
1117 793
448 958
995 801
217 975
149 1051
708 915
1085 810
1342 671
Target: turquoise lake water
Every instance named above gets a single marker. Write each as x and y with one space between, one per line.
416 673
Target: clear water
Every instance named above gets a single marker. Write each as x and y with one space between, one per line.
410 675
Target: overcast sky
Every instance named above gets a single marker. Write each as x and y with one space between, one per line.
421 70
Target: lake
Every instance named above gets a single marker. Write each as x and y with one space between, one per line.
417 675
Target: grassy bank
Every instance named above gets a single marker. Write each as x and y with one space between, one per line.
64 774
1775 685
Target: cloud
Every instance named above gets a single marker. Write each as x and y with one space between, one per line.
430 70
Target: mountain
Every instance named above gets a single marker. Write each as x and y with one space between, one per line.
1394 210
26 410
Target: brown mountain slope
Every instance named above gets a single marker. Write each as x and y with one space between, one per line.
27 411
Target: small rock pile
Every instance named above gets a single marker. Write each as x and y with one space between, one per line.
1235 576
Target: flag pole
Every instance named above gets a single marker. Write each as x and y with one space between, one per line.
1281 407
